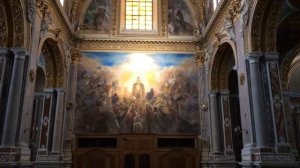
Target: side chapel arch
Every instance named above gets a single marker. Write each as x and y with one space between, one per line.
54 65
224 81
11 24
263 25
222 65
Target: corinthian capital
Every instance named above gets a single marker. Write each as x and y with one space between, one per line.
75 55
200 57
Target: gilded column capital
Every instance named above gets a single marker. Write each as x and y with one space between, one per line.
75 55
200 57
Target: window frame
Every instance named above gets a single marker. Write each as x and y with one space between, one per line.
122 21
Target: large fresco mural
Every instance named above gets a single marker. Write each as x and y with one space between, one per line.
137 93
97 16
180 21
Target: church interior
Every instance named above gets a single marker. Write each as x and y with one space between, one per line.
149 83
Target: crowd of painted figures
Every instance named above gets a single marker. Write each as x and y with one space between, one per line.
172 109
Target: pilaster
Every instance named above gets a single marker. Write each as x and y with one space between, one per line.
58 124
215 116
267 107
68 127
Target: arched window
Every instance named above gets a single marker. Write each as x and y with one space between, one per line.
216 2
139 15
62 2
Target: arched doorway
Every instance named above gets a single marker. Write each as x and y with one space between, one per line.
224 81
47 116
235 114
37 111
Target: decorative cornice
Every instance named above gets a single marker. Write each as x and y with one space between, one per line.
213 21
139 45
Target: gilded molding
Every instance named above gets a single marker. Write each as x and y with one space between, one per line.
74 7
139 45
234 9
200 57
42 7
3 27
272 25
114 8
75 55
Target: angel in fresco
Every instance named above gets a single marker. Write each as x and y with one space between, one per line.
101 14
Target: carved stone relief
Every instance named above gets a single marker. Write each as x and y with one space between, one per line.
31 10
47 20
3 26
17 13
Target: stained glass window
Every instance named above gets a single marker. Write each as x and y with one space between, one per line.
139 15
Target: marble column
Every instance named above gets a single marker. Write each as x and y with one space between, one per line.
203 95
260 123
58 123
275 97
14 99
215 122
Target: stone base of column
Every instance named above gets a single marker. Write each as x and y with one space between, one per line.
52 164
43 155
9 155
25 154
14 156
67 156
267 157
46 159
213 159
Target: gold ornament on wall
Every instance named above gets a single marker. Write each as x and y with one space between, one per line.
204 106
70 105
31 75
242 79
